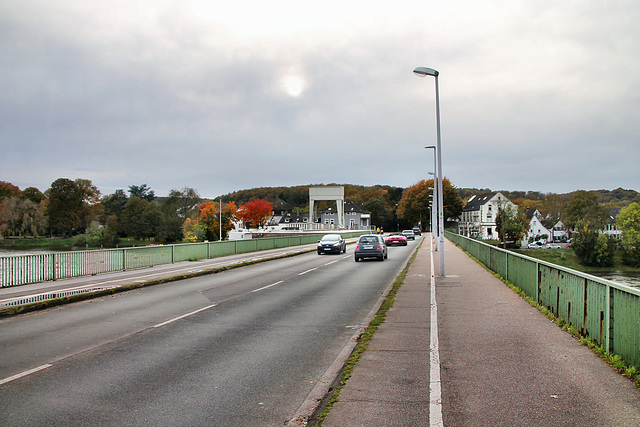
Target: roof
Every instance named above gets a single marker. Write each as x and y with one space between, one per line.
475 202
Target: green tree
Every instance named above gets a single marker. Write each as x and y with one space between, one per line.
143 192
583 207
112 210
629 222
511 224
33 194
182 203
91 207
110 235
169 230
381 213
552 209
592 247
140 218
64 208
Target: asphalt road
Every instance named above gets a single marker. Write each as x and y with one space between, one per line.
242 347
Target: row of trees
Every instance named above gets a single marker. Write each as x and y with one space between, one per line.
76 208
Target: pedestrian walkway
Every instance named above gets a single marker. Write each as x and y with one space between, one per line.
502 363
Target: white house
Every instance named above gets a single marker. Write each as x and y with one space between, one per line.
537 230
478 219
610 227
559 232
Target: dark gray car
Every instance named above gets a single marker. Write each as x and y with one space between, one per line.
332 243
370 246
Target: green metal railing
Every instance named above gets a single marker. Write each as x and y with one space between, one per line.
25 269
605 311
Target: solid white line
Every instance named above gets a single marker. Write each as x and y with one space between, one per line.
305 272
266 287
184 315
435 387
25 373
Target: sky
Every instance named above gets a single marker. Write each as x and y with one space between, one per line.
535 95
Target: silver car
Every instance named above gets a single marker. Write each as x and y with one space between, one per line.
370 246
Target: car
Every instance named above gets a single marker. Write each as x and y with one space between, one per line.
536 245
417 231
370 246
332 243
554 246
396 239
409 234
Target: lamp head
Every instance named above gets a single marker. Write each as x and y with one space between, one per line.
424 71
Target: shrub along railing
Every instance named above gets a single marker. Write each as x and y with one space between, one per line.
25 269
605 311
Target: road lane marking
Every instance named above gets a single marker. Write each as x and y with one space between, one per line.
308 271
25 373
267 287
184 315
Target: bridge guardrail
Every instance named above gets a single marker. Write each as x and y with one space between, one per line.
606 311
24 269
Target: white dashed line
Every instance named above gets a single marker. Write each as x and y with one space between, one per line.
266 287
184 315
308 271
25 373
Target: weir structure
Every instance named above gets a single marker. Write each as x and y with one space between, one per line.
323 193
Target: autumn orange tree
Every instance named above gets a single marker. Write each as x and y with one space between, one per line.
209 219
256 211
415 201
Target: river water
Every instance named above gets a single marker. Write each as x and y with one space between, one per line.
629 278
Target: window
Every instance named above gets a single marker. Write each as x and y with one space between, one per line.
489 231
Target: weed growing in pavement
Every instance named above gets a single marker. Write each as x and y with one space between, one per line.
614 360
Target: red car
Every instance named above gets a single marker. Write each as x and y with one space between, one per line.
396 239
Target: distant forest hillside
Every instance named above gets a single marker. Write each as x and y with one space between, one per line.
298 196
613 198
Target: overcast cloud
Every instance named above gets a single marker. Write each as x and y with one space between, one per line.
535 95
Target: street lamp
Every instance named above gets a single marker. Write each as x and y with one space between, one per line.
435 195
422 72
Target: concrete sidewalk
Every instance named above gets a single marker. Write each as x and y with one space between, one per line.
502 362
390 384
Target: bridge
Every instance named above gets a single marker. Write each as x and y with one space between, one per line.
465 349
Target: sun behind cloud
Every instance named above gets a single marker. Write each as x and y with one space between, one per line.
294 85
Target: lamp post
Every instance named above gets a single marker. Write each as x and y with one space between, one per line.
432 206
422 72
435 195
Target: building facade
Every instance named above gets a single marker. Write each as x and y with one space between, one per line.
478 219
